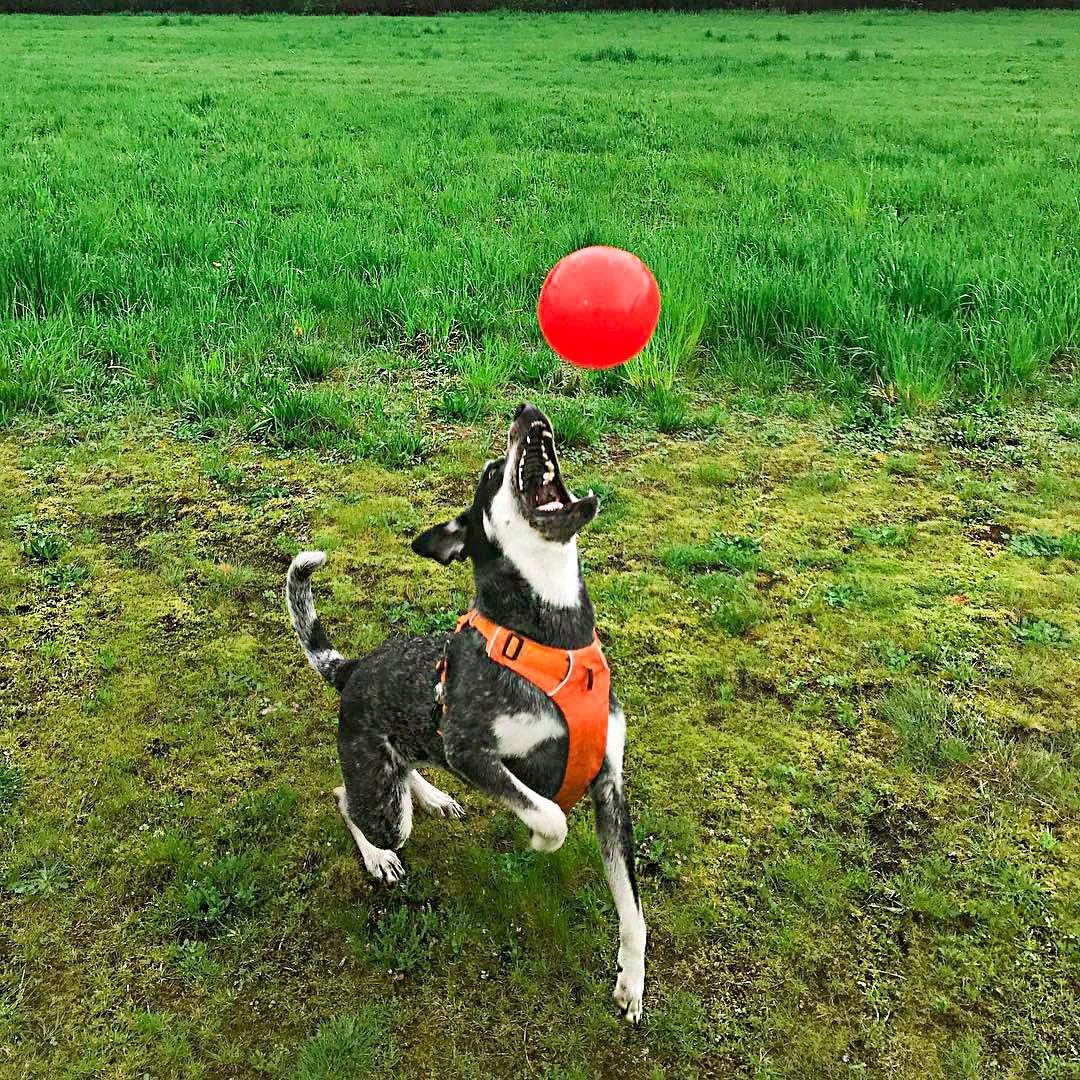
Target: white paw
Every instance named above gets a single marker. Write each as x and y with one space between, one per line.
438 804
629 989
547 824
540 842
383 865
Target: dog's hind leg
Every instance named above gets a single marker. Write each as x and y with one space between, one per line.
431 800
615 834
381 863
375 800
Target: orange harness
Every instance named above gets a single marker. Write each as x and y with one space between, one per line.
578 681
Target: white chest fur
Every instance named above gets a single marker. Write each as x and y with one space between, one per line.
550 569
518 734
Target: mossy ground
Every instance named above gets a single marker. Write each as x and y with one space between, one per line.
849 663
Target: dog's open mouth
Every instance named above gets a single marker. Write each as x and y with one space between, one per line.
539 482
532 468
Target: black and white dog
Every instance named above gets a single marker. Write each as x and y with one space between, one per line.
498 731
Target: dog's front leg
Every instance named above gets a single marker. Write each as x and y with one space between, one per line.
479 764
616 835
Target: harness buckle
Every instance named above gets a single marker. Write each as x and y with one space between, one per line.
515 639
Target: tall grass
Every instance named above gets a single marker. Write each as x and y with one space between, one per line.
192 204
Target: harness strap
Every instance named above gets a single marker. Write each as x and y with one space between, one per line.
578 681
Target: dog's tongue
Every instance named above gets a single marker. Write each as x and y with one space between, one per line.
553 505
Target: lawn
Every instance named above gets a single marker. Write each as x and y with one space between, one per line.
267 283
210 215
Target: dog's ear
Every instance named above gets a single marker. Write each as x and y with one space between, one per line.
446 542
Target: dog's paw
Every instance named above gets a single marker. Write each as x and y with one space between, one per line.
383 865
451 809
547 826
438 804
629 989
433 801
540 842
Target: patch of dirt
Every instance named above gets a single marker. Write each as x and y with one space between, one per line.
992 532
122 532
897 834
158 748
752 684
766 580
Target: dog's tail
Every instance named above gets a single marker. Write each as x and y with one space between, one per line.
322 656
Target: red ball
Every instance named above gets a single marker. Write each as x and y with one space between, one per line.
598 307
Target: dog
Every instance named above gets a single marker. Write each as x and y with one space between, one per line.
441 699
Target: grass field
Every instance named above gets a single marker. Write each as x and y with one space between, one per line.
209 216
268 283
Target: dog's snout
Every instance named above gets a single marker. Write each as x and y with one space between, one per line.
526 409
525 418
